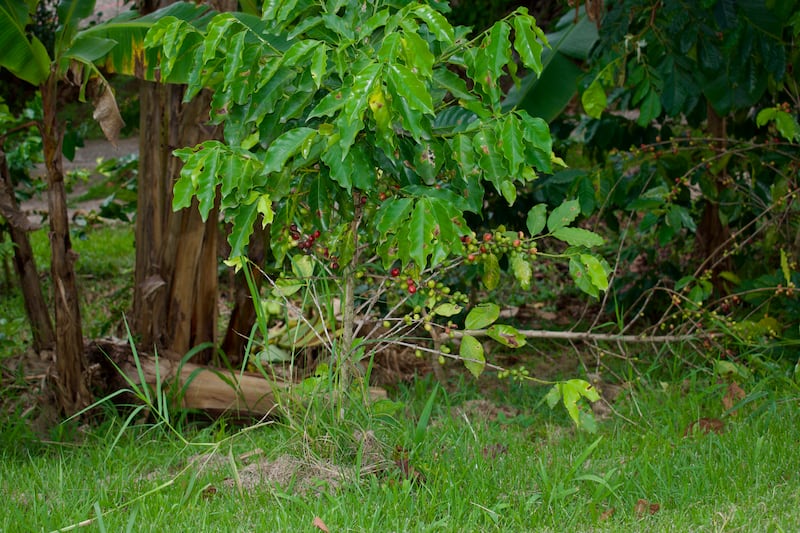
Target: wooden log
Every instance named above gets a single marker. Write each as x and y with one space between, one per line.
217 392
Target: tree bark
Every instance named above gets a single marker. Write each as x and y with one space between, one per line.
712 234
24 263
71 388
175 290
175 293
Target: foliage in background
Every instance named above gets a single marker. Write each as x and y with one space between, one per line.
692 132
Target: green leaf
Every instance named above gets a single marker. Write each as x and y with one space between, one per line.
553 396
526 43
482 315
420 233
410 87
522 270
572 392
598 272
506 335
89 49
25 58
594 99
650 108
491 271
242 228
471 351
537 217
350 121
393 215
563 215
418 55
581 277
286 146
495 45
446 309
511 136
452 83
437 23
578 237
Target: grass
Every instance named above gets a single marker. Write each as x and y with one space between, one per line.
105 277
532 472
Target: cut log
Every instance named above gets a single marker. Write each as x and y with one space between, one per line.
217 392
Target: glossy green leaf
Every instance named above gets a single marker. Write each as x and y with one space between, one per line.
563 215
393 214
578 237
417 54
506 335
89 49
286 146
242 228
452 83
437 23
350 121
526 43
471 352
496 47
522 270
536 220
482 315
408 86
511 137
420 233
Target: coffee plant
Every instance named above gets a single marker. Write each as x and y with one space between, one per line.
360 134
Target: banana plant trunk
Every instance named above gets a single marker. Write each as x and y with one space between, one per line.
72 391
175 294
25 264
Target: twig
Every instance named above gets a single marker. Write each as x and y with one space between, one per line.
588 336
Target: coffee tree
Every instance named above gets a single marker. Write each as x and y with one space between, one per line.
361 133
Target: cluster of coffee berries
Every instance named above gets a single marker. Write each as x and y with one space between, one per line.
304 242
498 243
410 284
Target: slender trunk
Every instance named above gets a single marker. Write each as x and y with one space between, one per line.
71 389
24 263
712 234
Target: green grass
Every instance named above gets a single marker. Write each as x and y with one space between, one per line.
529 473
105 277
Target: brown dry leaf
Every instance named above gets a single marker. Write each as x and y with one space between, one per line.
319 524
644 507
106 113
608 513
705 426
733 396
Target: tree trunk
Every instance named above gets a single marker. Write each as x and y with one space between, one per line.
175 293
71 388
24 263
712 234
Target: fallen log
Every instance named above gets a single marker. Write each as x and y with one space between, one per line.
217 392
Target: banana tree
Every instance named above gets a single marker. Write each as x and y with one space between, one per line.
68 71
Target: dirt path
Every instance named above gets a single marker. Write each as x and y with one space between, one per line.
86 158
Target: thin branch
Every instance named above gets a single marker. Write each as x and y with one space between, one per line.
587 336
